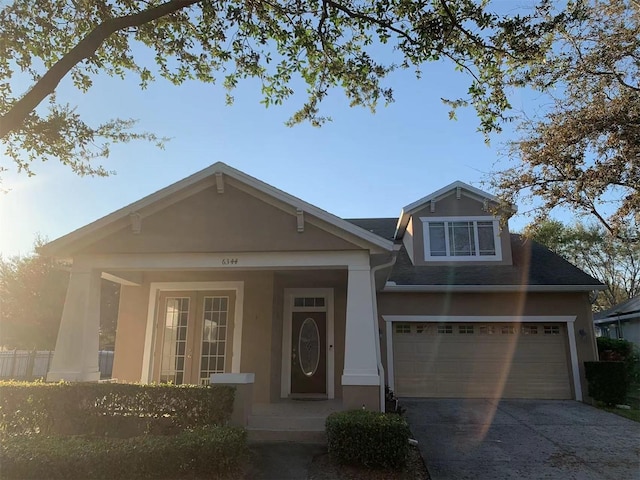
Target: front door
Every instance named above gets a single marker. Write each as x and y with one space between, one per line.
309 353
193 336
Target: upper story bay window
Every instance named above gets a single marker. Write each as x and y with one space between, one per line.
461 239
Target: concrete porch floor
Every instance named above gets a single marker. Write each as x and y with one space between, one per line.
291 420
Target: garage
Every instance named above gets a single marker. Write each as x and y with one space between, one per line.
481 360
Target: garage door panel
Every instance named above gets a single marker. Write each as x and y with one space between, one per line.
485 360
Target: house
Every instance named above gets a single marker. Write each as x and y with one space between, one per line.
224 276
621 321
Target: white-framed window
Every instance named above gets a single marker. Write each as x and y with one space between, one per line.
487 330
508 330
403 328
445 329
461 238
551 330
465 329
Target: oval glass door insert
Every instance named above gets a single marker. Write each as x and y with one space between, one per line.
309 347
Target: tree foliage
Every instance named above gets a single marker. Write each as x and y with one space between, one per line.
614 262
583 152
319 44
32 295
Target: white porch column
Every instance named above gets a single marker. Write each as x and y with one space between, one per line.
360 378
76 356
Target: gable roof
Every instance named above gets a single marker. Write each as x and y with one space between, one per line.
628 308
471 191
535 267
64 244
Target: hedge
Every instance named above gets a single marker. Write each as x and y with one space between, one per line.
619 350
110 409
211 452
372 439
607 381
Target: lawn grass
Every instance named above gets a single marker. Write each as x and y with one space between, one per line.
633 400
632 414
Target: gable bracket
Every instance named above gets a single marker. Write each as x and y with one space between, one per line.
219 182
300 219
136 222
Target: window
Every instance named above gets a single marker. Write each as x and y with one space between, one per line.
487 330
530 330
465 329
551 330
445 329
461 239
403 328
508 330
423 328
308 302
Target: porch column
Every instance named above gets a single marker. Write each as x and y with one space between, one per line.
360 379
76 356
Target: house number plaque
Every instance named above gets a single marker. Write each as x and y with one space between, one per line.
229 261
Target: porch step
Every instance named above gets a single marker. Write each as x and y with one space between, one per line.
291 423
273 436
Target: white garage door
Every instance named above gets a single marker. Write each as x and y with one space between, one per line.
481 360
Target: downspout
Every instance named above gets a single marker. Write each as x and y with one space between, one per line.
391 263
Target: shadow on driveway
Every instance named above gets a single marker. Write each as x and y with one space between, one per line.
523 439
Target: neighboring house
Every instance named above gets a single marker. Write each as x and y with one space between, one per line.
222 273
621 321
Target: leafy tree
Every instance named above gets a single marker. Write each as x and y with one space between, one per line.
583 152
320 44
614 262
32 295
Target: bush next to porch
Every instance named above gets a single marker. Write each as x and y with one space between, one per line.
211 452
372 439
110 409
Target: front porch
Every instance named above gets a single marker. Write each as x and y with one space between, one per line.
181 323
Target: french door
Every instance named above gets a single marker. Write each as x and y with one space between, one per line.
193 336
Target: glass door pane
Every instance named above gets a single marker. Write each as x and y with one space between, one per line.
214 337
174 344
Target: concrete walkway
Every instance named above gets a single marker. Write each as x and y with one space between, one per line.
282 460
523 439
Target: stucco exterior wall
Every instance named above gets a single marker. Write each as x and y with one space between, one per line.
130 333
451 207
262 324
212 222
498 304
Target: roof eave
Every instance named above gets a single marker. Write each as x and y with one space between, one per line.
491 288
60 246
410 209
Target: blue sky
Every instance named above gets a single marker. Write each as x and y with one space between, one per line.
359 165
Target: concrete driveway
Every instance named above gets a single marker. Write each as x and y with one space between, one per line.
523 439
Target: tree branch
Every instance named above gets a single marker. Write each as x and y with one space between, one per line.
46 85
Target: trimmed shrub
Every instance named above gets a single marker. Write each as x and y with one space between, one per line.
607 381
618 350
372 439
209 451
110 409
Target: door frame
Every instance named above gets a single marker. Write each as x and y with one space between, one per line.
289 308
150 335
